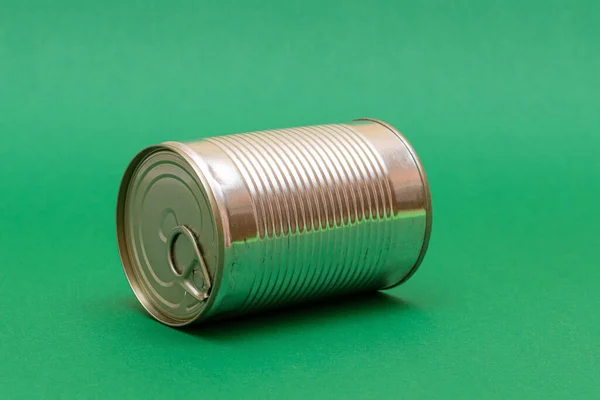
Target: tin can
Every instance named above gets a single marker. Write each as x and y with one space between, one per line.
231 224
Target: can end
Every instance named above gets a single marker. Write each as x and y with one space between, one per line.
426 194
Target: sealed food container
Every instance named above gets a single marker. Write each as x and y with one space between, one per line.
231 224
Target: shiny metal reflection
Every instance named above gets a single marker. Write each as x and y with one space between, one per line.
271 218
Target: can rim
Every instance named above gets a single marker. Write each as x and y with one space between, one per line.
196 164
426 192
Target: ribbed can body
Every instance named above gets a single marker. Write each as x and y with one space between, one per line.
309 212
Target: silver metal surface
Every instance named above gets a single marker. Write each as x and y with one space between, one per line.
231 224
184 276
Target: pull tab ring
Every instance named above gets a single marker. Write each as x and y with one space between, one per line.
185 277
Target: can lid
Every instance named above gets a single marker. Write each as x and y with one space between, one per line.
167 234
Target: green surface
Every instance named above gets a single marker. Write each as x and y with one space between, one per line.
500 99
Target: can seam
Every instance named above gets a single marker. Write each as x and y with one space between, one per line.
426 192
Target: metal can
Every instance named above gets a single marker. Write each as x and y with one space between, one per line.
231 224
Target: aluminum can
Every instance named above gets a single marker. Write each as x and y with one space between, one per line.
231 224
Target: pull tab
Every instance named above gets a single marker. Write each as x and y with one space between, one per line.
185 277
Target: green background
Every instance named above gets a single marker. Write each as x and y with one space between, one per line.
500 99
